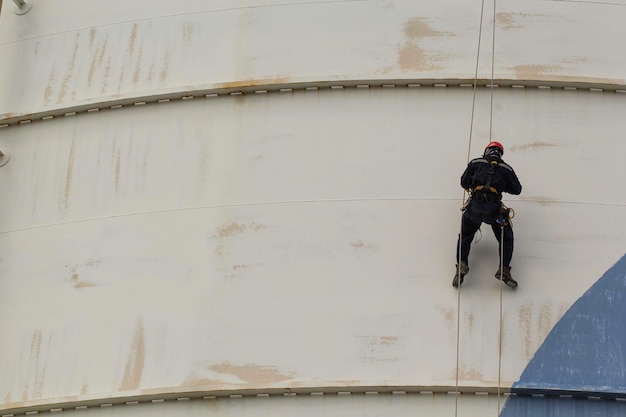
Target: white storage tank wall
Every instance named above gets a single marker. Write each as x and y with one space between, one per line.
296 232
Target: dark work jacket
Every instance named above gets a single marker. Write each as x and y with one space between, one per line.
504 179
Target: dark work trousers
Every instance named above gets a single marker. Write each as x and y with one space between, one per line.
476 214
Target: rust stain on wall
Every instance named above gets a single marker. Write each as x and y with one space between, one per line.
132 40
544 201
530 70
118 163
411 56
68 176
253 83
151 73
107 73
545 321
92 65
165 69
418 27
48 91
448 313
510 20
35 361
75 279
77 283
194 381
121 78
469 320
471 374
517 20
135 362
535 329
96 60
230 230
252 373
233 229
359 244
188 32
387 340
532 146
524 322
138 67
92 37
70 70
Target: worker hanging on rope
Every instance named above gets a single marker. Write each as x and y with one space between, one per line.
486 178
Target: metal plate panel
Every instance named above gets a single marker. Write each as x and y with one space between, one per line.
195 46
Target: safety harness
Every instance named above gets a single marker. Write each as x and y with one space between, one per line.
482 192
488 193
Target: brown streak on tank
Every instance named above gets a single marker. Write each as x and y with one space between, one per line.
165 68
516 20
138 67
193 381
252 373
388 340
188 31
469 374
544 201
418 27
118 164
534 70
524 322
133 370
410 57
92 68
230 230
532 146
469 318
68 176
96 60
107 73
233 229
132 40
77 283
48 91
92 37
509 20
253 83
69 72
151 73
36 359
120 81
545 322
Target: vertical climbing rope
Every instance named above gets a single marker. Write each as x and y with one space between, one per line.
500 332
465 196
501 321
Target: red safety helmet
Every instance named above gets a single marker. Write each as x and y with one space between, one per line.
496 145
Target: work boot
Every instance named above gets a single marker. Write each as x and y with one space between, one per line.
461 270
506 277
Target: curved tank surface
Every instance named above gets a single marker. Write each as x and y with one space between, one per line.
245 208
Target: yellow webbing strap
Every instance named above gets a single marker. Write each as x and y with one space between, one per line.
480 187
